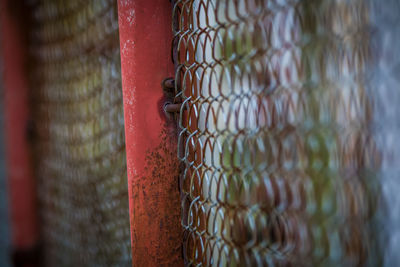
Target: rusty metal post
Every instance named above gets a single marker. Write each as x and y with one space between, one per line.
145 39
16 109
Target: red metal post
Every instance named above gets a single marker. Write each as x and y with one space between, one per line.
16 111
145 38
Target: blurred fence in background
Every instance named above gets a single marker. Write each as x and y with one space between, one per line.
78 133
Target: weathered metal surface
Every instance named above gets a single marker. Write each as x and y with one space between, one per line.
16 109
145 38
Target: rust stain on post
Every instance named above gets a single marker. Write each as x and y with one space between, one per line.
155 201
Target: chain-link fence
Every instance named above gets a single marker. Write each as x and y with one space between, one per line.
287 140
280 134
79 133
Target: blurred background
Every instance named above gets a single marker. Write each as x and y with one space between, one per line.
64 195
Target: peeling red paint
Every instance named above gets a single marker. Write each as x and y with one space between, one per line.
145 37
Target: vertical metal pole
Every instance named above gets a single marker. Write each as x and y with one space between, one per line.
16 111
145 39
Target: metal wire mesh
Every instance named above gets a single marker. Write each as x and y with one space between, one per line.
79 133
277 132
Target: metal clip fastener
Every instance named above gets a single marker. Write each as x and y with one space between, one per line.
172 108
172 104
168 86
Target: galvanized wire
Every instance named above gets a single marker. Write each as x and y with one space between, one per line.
276 133
79 133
